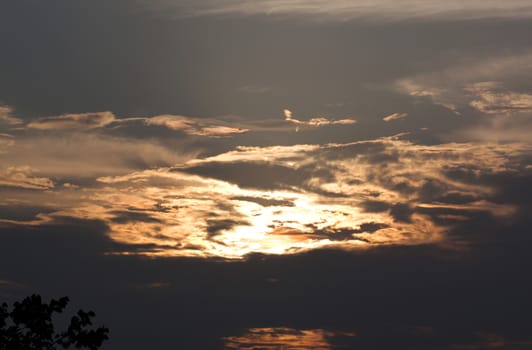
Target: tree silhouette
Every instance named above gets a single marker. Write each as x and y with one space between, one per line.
29 326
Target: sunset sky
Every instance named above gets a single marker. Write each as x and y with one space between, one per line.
280 174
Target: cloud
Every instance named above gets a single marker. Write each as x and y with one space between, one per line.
85 154
22 177
509 113
106 121
82 121
292 199
500 128
373 10
315 122
394 116
6 141
8 283
489 341
287 114
100 120
446 86
194 126
492 98
7 118
284 338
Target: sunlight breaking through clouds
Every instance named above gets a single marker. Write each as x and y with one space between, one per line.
291 199
272 174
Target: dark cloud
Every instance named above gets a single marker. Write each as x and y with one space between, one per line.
418 297
401 212
251 175
122 217
266 202
374 206
370 227
22 212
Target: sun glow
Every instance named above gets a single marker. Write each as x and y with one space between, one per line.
369 194
284 338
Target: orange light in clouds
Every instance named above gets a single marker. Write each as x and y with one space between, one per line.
282 338
301 225
170 212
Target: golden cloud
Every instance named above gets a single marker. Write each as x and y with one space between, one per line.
491 98
283 338
394 116
194 126
317 121
6 141
82 121
348 196
7 118
22 177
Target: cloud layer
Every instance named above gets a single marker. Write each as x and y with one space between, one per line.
291 199
83 121
386 10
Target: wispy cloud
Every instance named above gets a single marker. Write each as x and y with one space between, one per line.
492 88
394 116
6 141
492 98
97 120
22 177
509 113
6 116
85 155
380 10
317 121
82 121
7 285
85 145
194 126
446 85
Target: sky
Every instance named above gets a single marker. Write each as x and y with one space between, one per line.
280 174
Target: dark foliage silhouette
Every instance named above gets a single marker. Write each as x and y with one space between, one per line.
29 326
